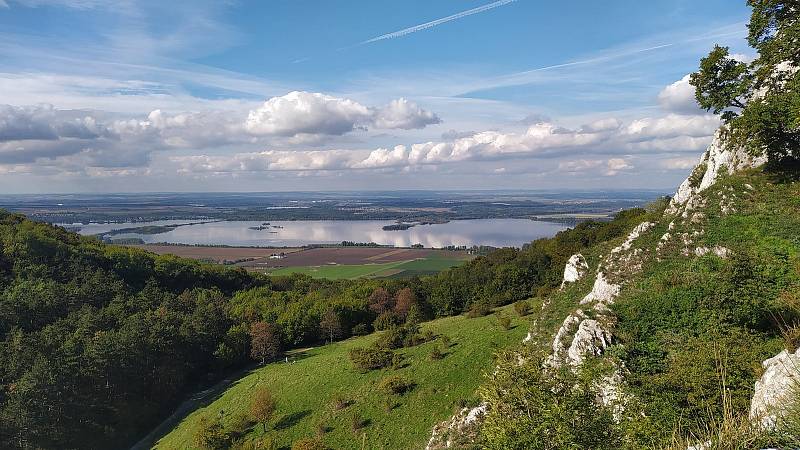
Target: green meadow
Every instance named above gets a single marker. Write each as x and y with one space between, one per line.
305 389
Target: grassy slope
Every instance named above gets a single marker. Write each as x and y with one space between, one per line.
399 268
305 388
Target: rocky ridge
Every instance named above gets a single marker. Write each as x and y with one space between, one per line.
587 331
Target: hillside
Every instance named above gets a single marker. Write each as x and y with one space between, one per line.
666 329
306 390
100 343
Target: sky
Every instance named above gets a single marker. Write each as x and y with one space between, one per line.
320 95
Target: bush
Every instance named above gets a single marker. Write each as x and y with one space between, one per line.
479 310
361 329
522 308
371 358
239 425
445 340
357 422
262 407
387 320
397 361
504 321
340 402
395 385
210 435
309 444
436 354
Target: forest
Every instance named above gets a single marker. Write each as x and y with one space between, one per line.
100 342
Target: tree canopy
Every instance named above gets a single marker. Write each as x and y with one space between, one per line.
759 100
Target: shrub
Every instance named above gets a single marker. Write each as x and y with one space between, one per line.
436 354
262 407
210 435
522 308
397 361
387 320
395 385
392 338
370 358
357 422
504 321
361 329
239 425
445 340
479 310
309 444
415 316
340 402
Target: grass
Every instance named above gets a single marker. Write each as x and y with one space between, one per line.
305 390
418 267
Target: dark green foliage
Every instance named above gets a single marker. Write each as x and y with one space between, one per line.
395 385
371 358
760 101
387 320
101 342
522 308
504 321
507 275
210 435
531 409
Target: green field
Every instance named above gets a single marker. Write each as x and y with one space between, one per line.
418 267
305 388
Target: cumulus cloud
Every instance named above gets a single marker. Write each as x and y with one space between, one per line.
679 97
541 140
298 113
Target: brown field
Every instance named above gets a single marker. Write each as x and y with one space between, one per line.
348 256
216 254
259 258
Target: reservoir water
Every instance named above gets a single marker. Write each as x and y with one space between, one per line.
492 232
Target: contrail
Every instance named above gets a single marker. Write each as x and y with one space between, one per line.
594 60
433 23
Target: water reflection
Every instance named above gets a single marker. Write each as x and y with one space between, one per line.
493 232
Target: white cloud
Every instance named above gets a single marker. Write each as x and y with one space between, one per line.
542 140
299 113
678 163
679 97
616 165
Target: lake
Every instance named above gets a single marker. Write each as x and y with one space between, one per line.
492 232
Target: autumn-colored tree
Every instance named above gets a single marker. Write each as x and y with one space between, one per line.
331 325
404 300
265 341
380 301
262 407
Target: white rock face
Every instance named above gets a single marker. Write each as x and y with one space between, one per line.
718 250
458 426
632 236
717 159
776 388
575 269
590 339
602 291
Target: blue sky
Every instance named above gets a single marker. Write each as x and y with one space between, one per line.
99 95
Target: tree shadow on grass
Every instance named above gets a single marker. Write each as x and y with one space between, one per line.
290 420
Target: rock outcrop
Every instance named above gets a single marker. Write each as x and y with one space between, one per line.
461 428
716 160
575 269
776 389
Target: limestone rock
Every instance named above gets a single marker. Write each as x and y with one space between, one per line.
575 269
776 387
590 339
